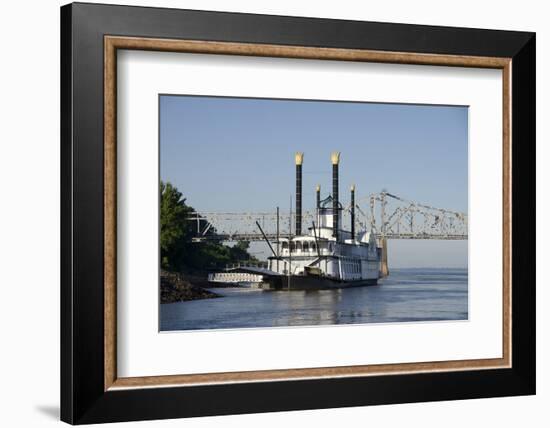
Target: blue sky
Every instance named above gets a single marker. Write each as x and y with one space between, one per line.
237 154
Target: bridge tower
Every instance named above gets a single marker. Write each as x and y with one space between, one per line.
384 269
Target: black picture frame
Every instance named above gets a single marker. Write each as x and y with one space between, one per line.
83 398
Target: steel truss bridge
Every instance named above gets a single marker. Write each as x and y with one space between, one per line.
387 215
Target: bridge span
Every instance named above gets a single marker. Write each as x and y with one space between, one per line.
385 214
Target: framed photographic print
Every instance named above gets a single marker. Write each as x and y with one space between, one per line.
266 213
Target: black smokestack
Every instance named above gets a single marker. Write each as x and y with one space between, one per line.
299 159
353 212
318 192
335 158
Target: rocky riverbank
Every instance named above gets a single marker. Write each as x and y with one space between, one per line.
174 287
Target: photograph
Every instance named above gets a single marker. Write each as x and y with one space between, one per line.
294 212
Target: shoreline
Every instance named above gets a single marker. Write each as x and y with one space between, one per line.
177 287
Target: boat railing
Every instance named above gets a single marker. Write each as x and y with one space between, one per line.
246 264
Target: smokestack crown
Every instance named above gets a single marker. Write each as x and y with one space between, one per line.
335 158
299 158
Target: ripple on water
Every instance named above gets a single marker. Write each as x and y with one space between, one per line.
407 295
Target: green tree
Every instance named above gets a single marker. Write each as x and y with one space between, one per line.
175 228
178 251
240 251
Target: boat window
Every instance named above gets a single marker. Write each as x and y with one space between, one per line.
306 246
313 246
330 247
285 245
298 246
292 246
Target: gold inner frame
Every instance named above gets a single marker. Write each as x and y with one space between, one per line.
112 43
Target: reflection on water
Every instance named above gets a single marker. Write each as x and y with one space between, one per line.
406 295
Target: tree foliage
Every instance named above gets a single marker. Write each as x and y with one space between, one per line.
178 252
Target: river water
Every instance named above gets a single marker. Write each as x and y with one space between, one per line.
406 295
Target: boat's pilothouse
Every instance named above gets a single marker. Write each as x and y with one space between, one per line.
325 256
